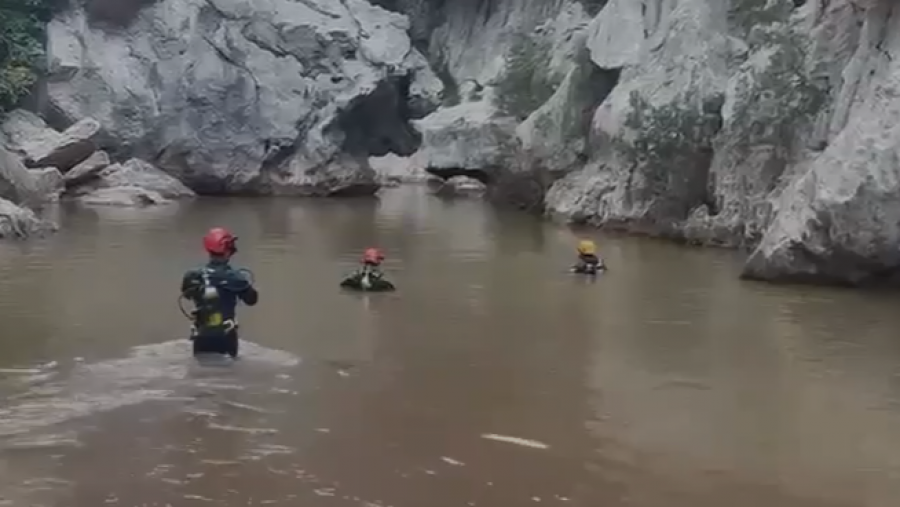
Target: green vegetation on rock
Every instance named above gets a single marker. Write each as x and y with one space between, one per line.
781 96
662 133
22 25
526 82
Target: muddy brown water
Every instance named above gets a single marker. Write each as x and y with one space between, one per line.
665 383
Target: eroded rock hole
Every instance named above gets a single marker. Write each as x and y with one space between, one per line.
378 123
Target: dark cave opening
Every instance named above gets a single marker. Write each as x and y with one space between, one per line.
379 123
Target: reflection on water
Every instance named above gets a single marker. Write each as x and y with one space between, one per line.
489 378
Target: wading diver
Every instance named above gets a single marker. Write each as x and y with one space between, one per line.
215 290
369 277
589 263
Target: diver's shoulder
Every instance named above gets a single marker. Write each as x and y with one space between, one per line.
195 271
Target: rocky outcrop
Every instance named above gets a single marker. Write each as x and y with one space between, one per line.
86 171
229 96
663 114
768 125
18 222
140 174
469 137
20 190
17 184
838 219
534 46
41 146
76 167
123 195
761 124
49 182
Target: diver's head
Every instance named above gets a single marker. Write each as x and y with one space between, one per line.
587 247
220 243
372 257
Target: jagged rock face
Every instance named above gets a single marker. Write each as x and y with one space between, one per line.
764 124
778 136
839 220
655 131
473 134
236 96
553 141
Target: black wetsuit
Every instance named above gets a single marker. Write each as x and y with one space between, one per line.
588 264
375 278
215 328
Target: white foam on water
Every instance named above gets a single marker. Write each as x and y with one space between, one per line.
155 372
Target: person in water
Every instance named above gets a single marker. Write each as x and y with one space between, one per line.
588 261
215 290
369 275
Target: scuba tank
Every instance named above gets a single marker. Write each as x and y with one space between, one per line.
208 313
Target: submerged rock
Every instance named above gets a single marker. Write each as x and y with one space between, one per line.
262 97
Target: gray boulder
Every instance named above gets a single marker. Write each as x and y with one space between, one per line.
16 183
138 173
17 222
88 170
41 146
50 183
468 137
123 196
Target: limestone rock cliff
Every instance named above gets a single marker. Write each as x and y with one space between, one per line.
768 125
265 97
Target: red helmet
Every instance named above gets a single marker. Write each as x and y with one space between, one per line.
372 256
219 241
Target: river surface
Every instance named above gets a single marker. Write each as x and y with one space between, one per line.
490 378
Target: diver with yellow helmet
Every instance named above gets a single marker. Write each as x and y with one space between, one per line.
589 263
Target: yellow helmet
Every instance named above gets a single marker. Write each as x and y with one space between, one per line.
587 247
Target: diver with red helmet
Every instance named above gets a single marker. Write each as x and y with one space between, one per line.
215 290
369 276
